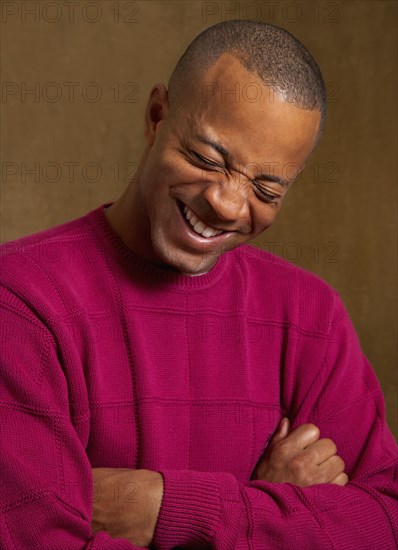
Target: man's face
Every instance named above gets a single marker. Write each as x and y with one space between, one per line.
225 160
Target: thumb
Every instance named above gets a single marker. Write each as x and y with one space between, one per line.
281 432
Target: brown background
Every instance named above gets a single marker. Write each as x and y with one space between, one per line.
81 130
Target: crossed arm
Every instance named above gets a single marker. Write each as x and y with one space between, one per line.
300 457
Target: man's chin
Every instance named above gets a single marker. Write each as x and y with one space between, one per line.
187 264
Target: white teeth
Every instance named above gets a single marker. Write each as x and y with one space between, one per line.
207 232
198 226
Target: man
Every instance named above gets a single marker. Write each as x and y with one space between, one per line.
215 395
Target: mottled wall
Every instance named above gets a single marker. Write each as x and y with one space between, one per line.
75 82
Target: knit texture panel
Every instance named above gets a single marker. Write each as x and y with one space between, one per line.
108 361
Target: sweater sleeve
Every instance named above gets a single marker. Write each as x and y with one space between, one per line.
45 476
214 510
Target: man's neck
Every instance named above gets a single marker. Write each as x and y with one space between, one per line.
190 274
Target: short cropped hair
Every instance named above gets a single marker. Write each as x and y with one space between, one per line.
275 55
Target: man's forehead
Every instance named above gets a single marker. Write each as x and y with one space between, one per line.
229 81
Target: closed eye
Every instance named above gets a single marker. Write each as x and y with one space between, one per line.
205 161
265 195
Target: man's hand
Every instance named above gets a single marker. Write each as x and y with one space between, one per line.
127 503
300 457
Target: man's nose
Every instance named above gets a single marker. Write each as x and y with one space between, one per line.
228 198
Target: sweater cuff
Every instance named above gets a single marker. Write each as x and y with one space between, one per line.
190 509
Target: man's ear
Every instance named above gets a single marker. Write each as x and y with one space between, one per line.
156 111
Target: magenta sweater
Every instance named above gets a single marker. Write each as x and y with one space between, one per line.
109 361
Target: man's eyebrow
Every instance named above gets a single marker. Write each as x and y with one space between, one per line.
227 154
271 177
216 146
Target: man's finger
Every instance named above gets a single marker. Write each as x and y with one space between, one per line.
330 469
301 437
281 432
342 479
321 450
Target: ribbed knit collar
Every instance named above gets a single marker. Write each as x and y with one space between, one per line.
164 277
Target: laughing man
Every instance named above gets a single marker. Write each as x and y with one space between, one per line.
214 395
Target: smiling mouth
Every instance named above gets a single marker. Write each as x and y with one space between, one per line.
196 225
